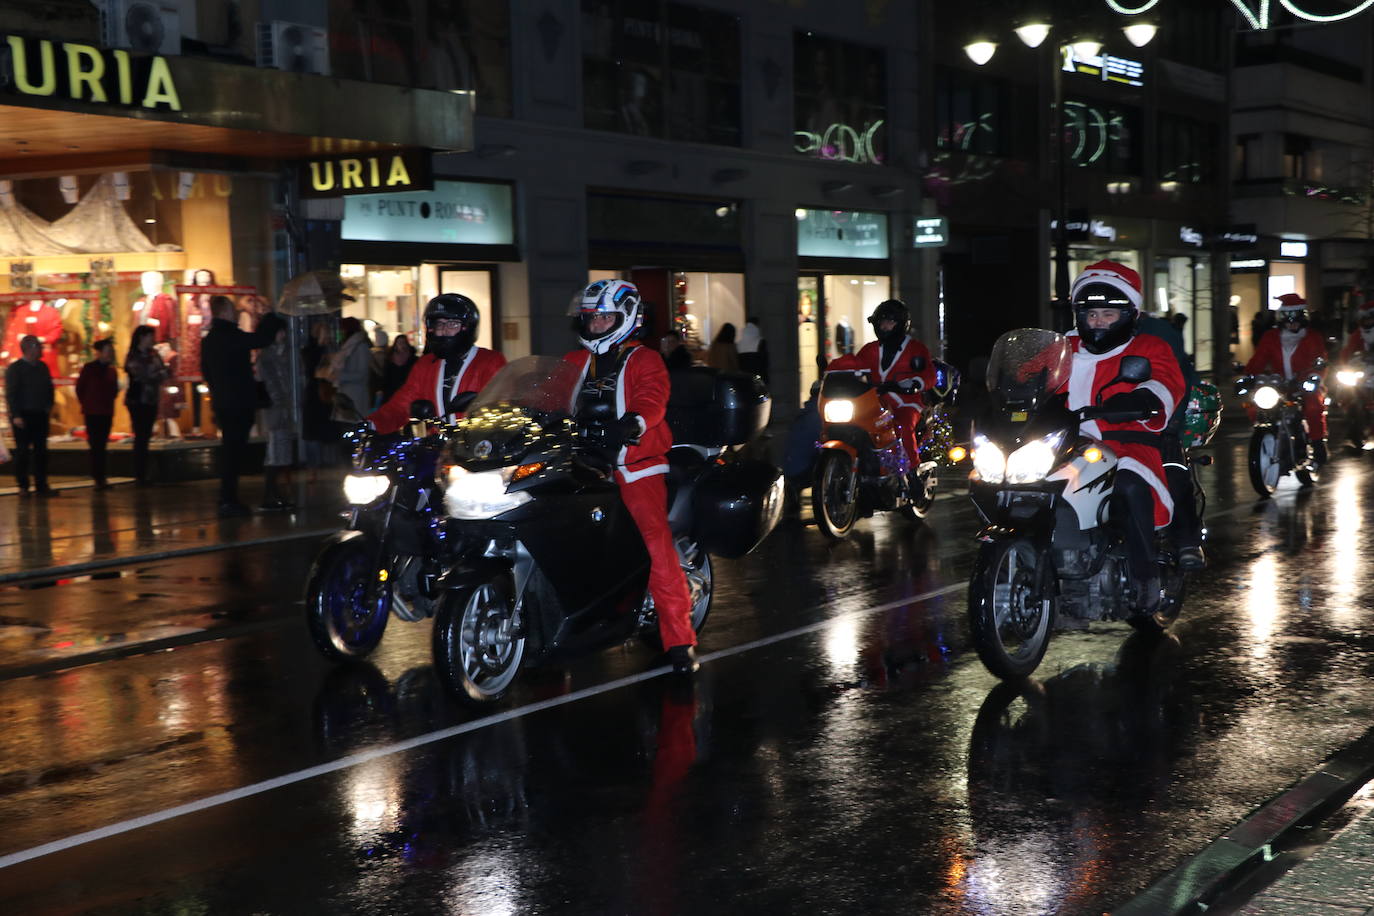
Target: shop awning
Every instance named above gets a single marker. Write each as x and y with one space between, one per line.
205 108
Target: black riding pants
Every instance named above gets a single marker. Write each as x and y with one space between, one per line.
1133 511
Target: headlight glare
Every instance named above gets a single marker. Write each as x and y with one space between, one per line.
1031 462
1266 396
480 494
840 411
1349 376
988 461
364 489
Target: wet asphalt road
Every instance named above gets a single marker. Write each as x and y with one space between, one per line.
842 750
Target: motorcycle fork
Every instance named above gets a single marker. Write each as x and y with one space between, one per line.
376 580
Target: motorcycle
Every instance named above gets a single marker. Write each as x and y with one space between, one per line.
388 557
549 562
1357 382
862 467
1280 443
1043 489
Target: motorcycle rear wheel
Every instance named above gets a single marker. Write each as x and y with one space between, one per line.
478 647
834 501
1010 627
341 623
696 566
1266 464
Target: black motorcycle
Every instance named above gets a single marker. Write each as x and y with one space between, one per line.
550 564
1280 443
388 557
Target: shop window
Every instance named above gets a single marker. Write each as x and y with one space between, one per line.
1187 150
840 99
974 115
661 70
1102 137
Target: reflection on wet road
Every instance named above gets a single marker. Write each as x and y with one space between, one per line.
842 751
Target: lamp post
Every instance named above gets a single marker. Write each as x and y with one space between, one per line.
1033 33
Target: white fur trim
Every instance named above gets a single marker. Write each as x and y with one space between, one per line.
1111 278
1160 487
1159 390
631 476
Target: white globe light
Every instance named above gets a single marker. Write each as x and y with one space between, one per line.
1140 33
1033 34
980 52
1086 48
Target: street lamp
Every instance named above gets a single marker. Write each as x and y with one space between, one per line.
1033 34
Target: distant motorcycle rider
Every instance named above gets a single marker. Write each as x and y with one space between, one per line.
1293 349
1107 299
1361 339
452 370
622 406
888 362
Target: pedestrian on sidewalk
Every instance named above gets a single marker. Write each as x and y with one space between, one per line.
320 435
226 362
28 389
350 371
146 372
274 371
96 388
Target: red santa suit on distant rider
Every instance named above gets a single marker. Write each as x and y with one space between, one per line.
888 362
1293 349
1361 337
452 369
623 406
1107 300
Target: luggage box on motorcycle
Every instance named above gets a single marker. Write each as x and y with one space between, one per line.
715 408
735 505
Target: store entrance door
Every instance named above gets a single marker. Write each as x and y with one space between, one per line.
479 285
832 318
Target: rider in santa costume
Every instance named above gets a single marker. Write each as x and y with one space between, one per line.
1107 300
623 406
1362 335
888 362
452 369
1293 348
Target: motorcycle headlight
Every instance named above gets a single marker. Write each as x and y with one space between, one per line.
1349 376
480 494
988 461
1266 396
364 489
839 411
1032 461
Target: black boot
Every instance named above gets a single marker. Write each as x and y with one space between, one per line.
683 659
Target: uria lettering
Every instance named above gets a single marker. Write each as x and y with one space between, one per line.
84 73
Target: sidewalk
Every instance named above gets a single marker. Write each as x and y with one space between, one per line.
84 529
1338 880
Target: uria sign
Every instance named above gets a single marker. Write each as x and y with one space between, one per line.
83 73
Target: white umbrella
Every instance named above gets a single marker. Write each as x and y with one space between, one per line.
315 292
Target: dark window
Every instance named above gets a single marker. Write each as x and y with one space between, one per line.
978 115
661 70
1296 149
1196 34
1101 137
840 99
1187 150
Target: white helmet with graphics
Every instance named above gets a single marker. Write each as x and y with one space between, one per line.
615 298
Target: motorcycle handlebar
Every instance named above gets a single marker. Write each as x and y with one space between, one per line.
1115 416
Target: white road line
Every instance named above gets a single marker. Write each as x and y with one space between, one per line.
442 734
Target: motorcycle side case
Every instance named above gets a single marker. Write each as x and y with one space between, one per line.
735 505
715 408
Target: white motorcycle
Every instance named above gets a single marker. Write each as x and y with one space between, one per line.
1044 491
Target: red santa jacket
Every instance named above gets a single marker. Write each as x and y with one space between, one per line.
1354 345
426 382
1092 375
1269 354
870 359
642 389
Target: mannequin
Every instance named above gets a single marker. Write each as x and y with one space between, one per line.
156 308
197 324
844 337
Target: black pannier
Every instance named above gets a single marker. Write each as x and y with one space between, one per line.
715 408
735 505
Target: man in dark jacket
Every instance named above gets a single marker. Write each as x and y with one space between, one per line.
28 389
226 362
96 388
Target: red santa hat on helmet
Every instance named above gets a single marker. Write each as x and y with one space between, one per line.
1125 280
1365 310
1291 302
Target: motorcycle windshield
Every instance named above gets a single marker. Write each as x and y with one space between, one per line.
1028 364
546 384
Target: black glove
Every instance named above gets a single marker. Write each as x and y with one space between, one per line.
904 386
1139 399
611 434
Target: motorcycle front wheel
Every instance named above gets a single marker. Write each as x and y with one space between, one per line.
478 646
343 623
1010 625
1266 464
921 489
834 500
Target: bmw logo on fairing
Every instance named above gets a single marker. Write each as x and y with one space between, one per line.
482 449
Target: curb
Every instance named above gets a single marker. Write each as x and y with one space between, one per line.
59 572
1204 877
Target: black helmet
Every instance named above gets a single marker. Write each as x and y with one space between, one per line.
451 307
893 310
1103 296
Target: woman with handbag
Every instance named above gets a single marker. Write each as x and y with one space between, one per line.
146 372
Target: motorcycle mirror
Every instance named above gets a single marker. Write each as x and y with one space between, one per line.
1135 369
918 363
422 409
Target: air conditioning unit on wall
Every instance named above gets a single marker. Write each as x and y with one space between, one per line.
293 46
141 25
